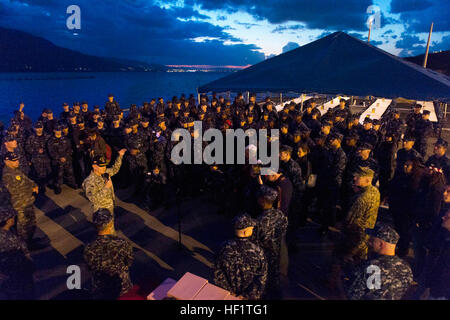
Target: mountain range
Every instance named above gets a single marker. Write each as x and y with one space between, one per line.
16 46
23 52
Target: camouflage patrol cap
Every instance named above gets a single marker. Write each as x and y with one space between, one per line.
110 95
134 122
417 105
243 221
426 112
384 232
285 148
65 104
58 127
364 172
441 142
92 131
368 120
116 118
145 119
135 144
101 218
83 102
9 138
11 156
297 133
268 193
409 138
160 120
6 214
336 136
38 125
352 135
64 125
72 114
365 146
315 112
99 161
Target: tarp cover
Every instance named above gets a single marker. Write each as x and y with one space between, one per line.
338 64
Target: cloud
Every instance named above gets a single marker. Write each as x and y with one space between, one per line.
411 45
187 13
443 45
280 29
290 46
131 29
246 24
417 15
325 14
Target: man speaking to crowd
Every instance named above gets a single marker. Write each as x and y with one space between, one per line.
98 185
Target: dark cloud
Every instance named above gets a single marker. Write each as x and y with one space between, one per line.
187 13
417 15
400 6
325 14
131 29
411 45
290 46
221 18
443 45
280 29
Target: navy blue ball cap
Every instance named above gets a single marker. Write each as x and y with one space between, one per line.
102 217
11 156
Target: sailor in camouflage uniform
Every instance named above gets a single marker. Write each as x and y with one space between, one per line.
395 274
21 189
270 233
292 170
16 265
98 186
240 265
109 258
12 144
60 150
362 214
36 147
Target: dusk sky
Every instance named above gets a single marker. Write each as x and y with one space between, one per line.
225 32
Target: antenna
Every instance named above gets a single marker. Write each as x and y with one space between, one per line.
425 60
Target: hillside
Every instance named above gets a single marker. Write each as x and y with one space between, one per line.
23 52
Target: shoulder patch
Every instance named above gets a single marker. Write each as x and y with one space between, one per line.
18 178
